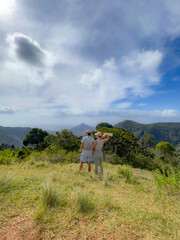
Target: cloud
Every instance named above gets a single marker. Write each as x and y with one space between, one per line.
27 50
123 105
5 110
170 113
28 59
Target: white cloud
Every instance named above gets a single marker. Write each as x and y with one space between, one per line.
110 64
92 78
123 105
5 110
170 113
7 7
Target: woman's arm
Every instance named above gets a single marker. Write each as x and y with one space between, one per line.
106 139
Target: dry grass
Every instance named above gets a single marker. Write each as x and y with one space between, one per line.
93 209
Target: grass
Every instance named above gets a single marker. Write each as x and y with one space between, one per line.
68 204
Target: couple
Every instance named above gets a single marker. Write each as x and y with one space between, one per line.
89 146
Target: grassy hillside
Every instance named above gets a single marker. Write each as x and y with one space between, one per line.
13 135
169 132
39 200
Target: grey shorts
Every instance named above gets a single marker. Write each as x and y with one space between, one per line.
86 158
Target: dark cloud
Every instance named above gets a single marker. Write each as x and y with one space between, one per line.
28 51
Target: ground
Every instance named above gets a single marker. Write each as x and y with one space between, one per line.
39 200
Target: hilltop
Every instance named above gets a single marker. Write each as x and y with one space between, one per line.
40 200
168 132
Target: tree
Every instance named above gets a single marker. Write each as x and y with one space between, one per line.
67 140
147 141
50 139
103 124
123 143
165 148
35 136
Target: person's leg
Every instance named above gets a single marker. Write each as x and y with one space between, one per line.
100 164
89 166
81 166
82 160
96 162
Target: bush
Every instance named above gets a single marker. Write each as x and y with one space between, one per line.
167 181
22 153
6 156
144 162
72 157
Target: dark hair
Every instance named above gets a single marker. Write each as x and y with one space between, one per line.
89 134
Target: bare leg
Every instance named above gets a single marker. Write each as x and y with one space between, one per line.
89 166
81 166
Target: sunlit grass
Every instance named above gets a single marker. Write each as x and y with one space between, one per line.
63 201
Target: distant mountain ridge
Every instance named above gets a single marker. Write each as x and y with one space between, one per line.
80 129
13 135
169 132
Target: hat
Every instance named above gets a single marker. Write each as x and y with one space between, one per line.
98 134
88 131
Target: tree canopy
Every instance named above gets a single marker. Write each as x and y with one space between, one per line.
103 124
35 136
67 140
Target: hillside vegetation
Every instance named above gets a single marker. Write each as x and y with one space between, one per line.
169 132
41 200
13 135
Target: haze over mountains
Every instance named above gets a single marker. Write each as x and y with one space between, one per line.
169 132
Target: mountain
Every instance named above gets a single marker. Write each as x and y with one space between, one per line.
168 132
80 129
13 135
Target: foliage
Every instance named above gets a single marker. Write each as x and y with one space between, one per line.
123 143
146 141
35 136
167 181
6 156
103 124
22 153
169 132
50 139
68 141
165 148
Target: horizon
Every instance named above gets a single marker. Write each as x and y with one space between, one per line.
73 126
92 62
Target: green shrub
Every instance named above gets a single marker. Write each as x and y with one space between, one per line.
22 153
6 156
72 157
126 172
168 181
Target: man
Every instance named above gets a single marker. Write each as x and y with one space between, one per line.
86 155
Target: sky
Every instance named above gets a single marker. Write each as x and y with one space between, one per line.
63 63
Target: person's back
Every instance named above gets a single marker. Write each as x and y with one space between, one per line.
99 145
87 142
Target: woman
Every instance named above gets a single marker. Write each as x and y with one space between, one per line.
97 149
